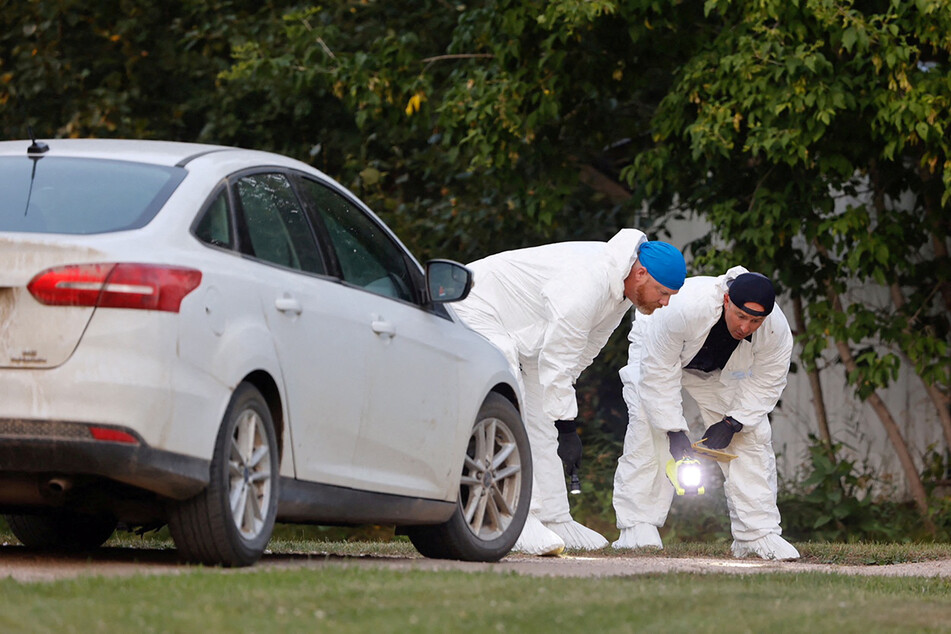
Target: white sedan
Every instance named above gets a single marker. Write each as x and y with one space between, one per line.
218 339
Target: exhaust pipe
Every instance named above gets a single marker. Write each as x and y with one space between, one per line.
59 486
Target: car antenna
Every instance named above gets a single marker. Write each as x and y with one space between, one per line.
35 152
37 147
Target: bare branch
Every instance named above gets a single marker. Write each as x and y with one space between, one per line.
326 48
440 58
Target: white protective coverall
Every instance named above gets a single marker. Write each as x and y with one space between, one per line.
550 309
747 388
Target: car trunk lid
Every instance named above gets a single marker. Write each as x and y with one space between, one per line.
33 335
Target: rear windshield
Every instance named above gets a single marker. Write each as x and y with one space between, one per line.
79 196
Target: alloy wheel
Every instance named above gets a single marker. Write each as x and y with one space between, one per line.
491 479
249 468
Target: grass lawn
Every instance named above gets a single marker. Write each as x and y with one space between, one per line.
363 599
334 599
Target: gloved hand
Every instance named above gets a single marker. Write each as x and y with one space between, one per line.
719 435
679 445
569 445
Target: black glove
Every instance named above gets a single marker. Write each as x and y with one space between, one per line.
719 435
679 445
569 445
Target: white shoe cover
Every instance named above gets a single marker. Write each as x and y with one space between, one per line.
641 535
577 535
538 540
766 547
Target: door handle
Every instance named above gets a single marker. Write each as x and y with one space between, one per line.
383 328
288 305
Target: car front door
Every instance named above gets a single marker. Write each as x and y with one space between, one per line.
409 393
320 336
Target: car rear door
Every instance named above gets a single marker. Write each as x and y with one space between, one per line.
409 392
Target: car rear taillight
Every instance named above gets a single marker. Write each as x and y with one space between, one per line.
124 285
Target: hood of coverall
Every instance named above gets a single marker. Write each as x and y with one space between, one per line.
622 249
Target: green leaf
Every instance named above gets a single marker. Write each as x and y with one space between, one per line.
848 38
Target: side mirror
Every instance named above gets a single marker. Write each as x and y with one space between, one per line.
447 281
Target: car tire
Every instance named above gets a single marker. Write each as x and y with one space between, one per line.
495 491
62 530
211 529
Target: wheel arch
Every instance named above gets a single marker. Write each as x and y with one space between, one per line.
268 388
508 392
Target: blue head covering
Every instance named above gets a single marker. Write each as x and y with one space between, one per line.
664 262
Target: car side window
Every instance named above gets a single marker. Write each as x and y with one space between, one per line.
368 257
215 225
277 228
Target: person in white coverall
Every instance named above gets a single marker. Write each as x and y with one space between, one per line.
724 341
550 309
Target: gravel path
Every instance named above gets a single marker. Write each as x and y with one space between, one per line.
19 564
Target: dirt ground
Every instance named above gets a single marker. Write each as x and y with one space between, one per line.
21 565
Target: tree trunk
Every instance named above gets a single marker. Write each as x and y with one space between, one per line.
937 220
915 485
818 401
941 402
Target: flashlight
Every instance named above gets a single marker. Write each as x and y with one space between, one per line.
575 484
686 476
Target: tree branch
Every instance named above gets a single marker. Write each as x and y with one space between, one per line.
440 58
